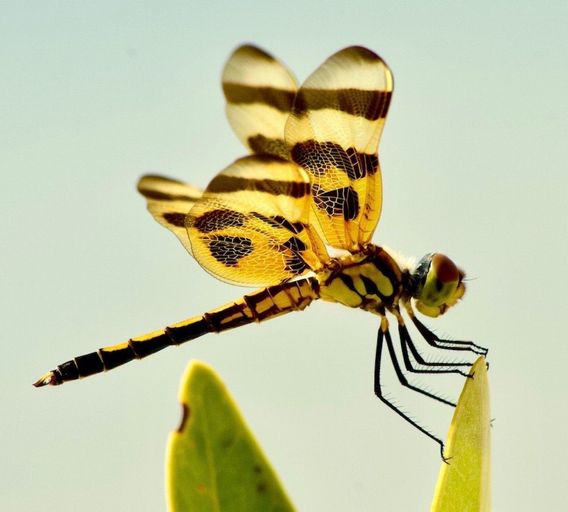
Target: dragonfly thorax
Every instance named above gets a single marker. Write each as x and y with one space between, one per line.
370 279
373 280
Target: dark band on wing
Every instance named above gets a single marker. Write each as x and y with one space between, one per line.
279 99
296 265
340 201
266 145
175 219
295 244
228 250
147 185
215 220
223 183
371 105
320 157
277 221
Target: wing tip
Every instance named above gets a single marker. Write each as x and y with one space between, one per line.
251 50
363 53
145 180
161 188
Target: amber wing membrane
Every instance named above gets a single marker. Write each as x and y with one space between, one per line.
251 228
333 132
169 202
260 92
330 127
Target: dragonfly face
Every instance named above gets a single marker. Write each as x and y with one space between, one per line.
310 186
437 284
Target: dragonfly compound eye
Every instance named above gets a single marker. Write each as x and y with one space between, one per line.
438 284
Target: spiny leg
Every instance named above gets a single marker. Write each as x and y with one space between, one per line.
400 374
254 307
383 334
434 341
406 343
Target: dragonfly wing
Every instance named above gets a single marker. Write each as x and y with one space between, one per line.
333 132
251 226
169 202
259 91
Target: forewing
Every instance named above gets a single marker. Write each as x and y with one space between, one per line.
252 229
333 132
260 92
169 202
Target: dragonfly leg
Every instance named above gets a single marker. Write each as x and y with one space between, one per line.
398 370
382 336
434 341
407 344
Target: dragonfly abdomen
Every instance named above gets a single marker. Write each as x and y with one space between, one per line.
258 306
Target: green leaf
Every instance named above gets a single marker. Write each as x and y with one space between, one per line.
213 462
464 483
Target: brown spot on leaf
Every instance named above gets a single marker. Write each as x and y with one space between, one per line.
185 414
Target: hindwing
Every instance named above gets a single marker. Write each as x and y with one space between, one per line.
169 202
259 91
253 229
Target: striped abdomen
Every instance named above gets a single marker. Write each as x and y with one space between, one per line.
255 307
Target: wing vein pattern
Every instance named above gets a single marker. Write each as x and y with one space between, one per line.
313 178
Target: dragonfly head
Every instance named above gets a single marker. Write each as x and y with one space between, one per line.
437 284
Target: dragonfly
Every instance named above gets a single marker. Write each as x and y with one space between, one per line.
295 218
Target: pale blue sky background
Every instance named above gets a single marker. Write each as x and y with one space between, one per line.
94 94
